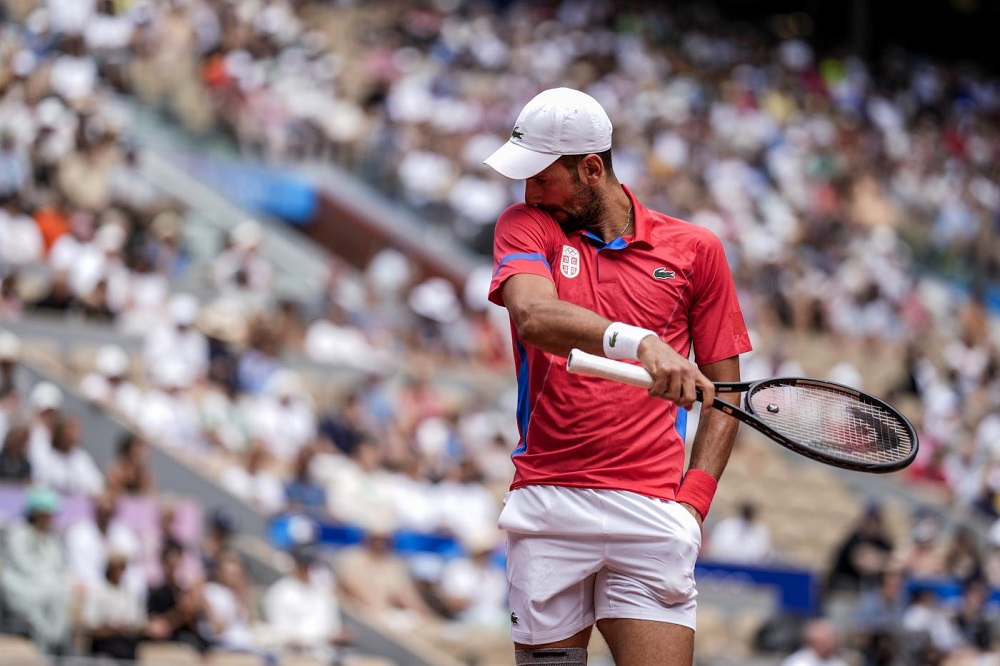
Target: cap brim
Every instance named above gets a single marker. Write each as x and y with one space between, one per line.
517 162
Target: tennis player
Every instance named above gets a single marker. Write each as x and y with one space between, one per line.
603 524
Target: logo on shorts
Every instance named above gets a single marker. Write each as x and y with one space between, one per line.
662 273
570 263
513 618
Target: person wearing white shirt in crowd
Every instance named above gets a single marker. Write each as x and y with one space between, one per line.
466 506
109 386
283 417
91 540
45 401
302 611
65 466
741 539
820 648
73 75
114 613
20 239
242 265
168 413
253 482
473 587
67 250
177 341
229 606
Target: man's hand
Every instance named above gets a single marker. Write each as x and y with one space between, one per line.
674 377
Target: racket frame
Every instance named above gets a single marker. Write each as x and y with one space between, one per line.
582 362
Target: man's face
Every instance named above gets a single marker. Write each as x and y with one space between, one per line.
563 194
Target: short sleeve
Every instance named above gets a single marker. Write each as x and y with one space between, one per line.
521 244
718 330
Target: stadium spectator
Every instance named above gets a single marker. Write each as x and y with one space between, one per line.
963 559
218 539
862 555
15 467
283 417
230 605
302 611
926 615
66 466
975 619
878 617
302 491
91 540
20 240
821 646
10 398
45 403
377 580
177 343
242 266
11 303
129 472
114 614
109 386
253 480
35 578
741 538
176 608
922 555
472 588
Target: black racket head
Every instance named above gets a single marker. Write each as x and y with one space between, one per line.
834 424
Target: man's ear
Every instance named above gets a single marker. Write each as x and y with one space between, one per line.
591 169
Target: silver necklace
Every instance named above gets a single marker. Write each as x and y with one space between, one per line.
628 221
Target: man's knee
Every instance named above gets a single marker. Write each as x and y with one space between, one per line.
551 657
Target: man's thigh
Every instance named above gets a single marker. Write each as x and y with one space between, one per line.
551 586
647 642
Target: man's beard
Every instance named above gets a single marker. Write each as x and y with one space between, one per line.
586 215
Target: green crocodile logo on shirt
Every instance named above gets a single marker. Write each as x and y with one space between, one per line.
662 273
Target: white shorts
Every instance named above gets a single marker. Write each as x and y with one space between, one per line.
575 556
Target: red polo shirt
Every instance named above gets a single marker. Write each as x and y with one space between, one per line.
671 277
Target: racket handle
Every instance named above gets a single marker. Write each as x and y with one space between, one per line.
581 362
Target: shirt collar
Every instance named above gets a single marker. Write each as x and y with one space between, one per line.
640 220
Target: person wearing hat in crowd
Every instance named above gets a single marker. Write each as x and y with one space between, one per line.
177 341
109 386
35 577
600 492
241 265
45 402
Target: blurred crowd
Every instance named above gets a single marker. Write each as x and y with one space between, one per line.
843 191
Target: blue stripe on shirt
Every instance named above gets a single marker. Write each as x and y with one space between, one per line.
531 256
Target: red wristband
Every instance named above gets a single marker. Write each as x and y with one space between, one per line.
697 489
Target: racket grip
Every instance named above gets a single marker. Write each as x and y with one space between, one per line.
580 362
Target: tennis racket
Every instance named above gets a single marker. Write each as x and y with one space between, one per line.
828 422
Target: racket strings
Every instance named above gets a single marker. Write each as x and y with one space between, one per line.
833 423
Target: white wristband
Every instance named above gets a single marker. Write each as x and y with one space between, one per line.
621 341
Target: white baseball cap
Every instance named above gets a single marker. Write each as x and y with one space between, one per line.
556 122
